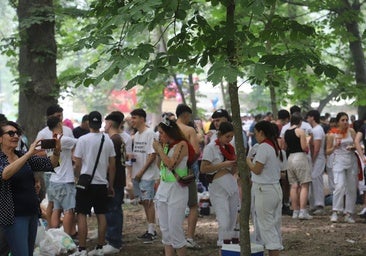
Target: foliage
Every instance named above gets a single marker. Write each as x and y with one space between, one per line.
196 37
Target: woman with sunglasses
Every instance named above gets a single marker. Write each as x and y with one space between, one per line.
171 197
19 205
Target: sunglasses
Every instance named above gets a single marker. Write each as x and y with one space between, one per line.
12 133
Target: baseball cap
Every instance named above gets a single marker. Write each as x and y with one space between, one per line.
95 120
221 113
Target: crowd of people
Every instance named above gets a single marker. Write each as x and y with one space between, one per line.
288 154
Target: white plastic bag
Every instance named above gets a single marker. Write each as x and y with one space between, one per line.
55 242
41 232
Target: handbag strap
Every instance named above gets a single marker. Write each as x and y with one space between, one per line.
97 160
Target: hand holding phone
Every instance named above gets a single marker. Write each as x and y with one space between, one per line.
48 143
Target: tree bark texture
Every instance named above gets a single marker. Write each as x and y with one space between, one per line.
245 249
356 49
38 86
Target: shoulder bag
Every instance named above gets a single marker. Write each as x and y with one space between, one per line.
86 179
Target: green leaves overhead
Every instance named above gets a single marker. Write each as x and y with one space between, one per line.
157 36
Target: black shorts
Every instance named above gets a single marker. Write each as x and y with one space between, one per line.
96 196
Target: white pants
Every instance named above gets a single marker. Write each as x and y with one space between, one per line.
345 179
267 204
171 214
224 196
317 183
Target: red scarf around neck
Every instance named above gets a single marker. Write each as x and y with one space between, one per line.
336 130
227 150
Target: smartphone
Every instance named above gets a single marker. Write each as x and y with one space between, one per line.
48 143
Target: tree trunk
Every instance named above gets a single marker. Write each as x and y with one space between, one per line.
245 249
192 95
38 86
357 53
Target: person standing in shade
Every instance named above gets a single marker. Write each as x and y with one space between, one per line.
341 142
61 189
184 116
317 152
266 190
114 215
83 128
298 168
219 161
19 204
46 133
100 188
171 197
144 169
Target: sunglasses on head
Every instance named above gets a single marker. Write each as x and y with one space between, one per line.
12 133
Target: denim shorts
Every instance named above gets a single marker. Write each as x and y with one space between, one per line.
62 195
144 189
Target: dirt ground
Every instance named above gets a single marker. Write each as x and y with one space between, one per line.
300 238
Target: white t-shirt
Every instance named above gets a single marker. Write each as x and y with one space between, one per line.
46 133
65 172
128 141
87 148
142 147
272 165
318 134
304 125
212 154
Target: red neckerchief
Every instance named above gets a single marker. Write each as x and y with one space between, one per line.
226 150
335 130
269 142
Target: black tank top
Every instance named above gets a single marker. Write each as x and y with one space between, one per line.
293 142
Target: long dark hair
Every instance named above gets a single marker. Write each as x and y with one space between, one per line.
271 134
172 129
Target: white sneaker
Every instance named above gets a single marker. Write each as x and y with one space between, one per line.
362 212
109 249
295 214
304 215
334 217
97 252
348 218
191 244
79 253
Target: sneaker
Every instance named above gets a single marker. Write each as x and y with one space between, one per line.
286 210
304 215
363 212
334 217
318 211
348 218
97 252
191 244
147 236
79 253
109 249
295 214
